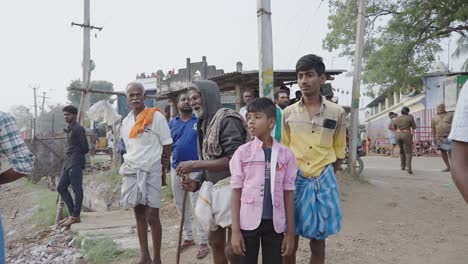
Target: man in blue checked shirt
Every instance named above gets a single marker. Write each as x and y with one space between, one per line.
20 158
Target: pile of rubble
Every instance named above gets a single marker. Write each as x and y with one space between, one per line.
50 246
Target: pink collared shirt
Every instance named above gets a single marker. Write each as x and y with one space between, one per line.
248 173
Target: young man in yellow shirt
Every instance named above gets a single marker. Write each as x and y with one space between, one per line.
313 129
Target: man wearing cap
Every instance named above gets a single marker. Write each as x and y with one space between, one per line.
73 165
403 125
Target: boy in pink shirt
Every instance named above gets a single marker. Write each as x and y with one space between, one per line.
262 199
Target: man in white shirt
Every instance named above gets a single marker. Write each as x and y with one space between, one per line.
459 137
248 97
148 142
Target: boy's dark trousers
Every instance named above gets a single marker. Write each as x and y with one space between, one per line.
73 176
270 240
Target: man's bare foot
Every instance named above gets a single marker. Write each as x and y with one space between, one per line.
156 261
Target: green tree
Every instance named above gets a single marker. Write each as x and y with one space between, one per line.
402 37
51 121
462 48
75 96
23 116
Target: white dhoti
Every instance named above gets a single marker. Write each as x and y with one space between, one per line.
142 187
214 205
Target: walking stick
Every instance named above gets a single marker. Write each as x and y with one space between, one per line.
181 226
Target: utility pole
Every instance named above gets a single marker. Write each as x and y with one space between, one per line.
43 102
86 64
265 49
357 85
35 114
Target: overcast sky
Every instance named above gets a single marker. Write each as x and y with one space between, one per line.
39 46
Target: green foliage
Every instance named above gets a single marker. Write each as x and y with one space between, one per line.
401 39
104 250
167 190
462 49
75 96
46 202
23 116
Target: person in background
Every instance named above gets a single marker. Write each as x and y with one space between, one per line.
391 132
110 141
441 125
248 96
403 125
282 99
73 165
184 135
20 158
298 97
459 137
269 218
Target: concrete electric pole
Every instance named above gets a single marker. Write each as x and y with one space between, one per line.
356 86
86 64
35 113
265 49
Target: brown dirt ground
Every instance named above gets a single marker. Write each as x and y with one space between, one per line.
388 217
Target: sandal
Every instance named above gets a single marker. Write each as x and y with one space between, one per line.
203 251
61 222
71 220
186 244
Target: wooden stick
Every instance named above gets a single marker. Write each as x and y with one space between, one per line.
181 227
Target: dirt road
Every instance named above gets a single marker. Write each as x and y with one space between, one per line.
389 217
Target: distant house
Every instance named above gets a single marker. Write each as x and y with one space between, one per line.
438 88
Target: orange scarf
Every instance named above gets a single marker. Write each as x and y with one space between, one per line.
143 119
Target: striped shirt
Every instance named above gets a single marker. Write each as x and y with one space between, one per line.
13 147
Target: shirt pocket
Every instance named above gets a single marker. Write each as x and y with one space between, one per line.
326 137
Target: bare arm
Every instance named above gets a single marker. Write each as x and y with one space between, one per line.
288 244
10 175
237 240
289 207
459 167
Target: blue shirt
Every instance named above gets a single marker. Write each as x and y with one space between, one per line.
267 201
184 137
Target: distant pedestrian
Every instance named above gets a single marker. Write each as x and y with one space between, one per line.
459 135
298 97
391 132
148 143
263 182
248 96
441 125
110 141
20 158
403 125
73 165
184 148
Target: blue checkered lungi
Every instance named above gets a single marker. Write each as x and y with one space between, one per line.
317 205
